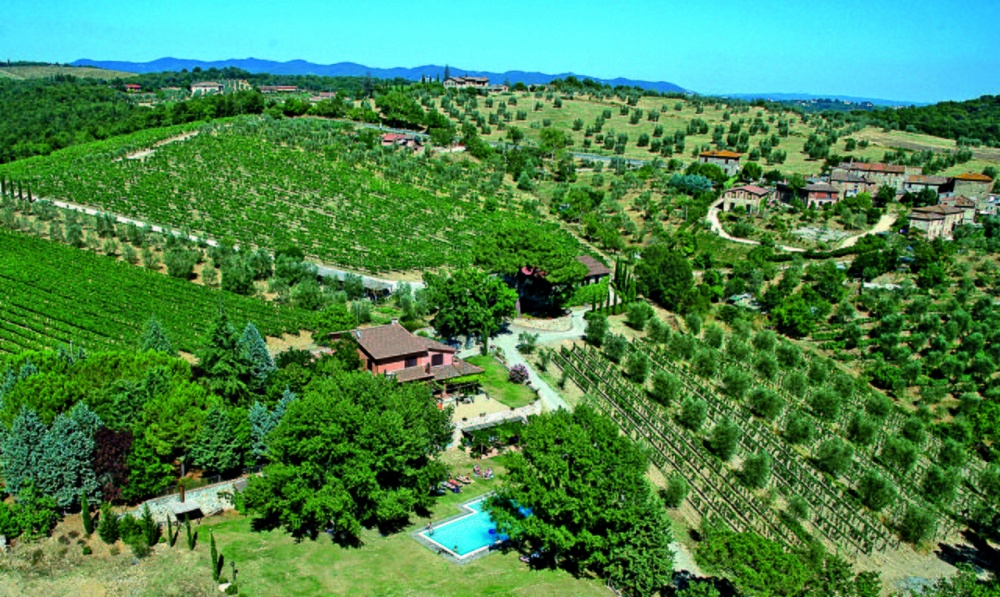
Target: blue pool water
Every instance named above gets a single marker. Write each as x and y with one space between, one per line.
467 534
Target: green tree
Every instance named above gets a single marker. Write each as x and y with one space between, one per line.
834 456
666 388
876 492
23 451
665 276
256 353
724 439
593 509
86 518
352 450
597 329
826 403
217 449
64 470
334 318
735 383
400 110
917 525
765 403
693 413
861 430
939 485
213 554
756 470
469 302
899 454
148 475
107 526
755 565
798 428
223 363
154 337
638 314
637 366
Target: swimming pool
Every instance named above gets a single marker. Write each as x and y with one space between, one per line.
468 535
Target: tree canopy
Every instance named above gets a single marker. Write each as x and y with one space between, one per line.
468 302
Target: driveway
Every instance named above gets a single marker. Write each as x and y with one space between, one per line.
883 225
713 219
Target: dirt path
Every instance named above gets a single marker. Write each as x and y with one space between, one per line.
883 225
145 153
713 219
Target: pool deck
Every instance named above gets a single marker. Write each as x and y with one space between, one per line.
421 537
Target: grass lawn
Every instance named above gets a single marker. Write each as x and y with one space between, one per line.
496 385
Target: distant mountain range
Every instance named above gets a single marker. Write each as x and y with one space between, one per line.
792 97
351 69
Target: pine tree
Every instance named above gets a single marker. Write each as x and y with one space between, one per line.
22 451
107 528
88 521
227 372
255 352
214 554
217 448
154 338
150 529
261 423
64 469
86 419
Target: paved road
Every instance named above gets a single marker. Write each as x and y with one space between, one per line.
508 342
324 271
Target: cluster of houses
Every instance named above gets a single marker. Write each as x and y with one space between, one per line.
960 197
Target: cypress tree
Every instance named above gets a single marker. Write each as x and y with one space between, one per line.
214 554
150 530
192 537
155 338
88 522
171 535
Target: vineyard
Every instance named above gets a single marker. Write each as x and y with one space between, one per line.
310 183
836 515
53 295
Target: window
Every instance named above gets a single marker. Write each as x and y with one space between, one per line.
437 359
411 362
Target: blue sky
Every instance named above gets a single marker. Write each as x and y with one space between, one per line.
920 50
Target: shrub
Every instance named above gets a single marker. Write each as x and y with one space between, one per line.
526 342
666 388
87 550
615 347
834 456
861 430
918 524
597 329
724 439
675 492
693 413
107 527
756 470
766 403
798 507
518 374
637 314
876 492
637 366
798 428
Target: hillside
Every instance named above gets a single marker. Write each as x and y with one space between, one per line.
274 183
52 70
351 69
974 121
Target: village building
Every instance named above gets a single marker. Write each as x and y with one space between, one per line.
206 87
401 140
464 82
729 161
746 198
876 173
968 207
972 184
279 89
393 351
915 183
936 221
820 194
132 88
851 185
321 96
596 271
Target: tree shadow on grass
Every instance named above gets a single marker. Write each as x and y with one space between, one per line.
978 552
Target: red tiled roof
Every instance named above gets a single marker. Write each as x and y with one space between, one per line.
456 369
821 188
412 374
874 167
387 341
944 210
921 179
721 153
434 345
925 217
752 189
974 177
847 177
594 267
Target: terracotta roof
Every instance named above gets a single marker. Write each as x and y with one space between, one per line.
965 202
926 217
974 176
412 374
206 84
874 167
921 179
821 188
752 189
387 341
944 210
434 345
847 177
721 153
594 267
456 369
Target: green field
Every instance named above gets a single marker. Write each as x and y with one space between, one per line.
273 183
496 385
53 294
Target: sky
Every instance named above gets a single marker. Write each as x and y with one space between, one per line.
919 50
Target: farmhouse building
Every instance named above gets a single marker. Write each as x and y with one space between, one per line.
820 194
205 87
321 96
463 82
400 140
915 183
851 185
393 351
133 88
937 221
968 207
747 198
596 271
729 161
972 184
876 173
